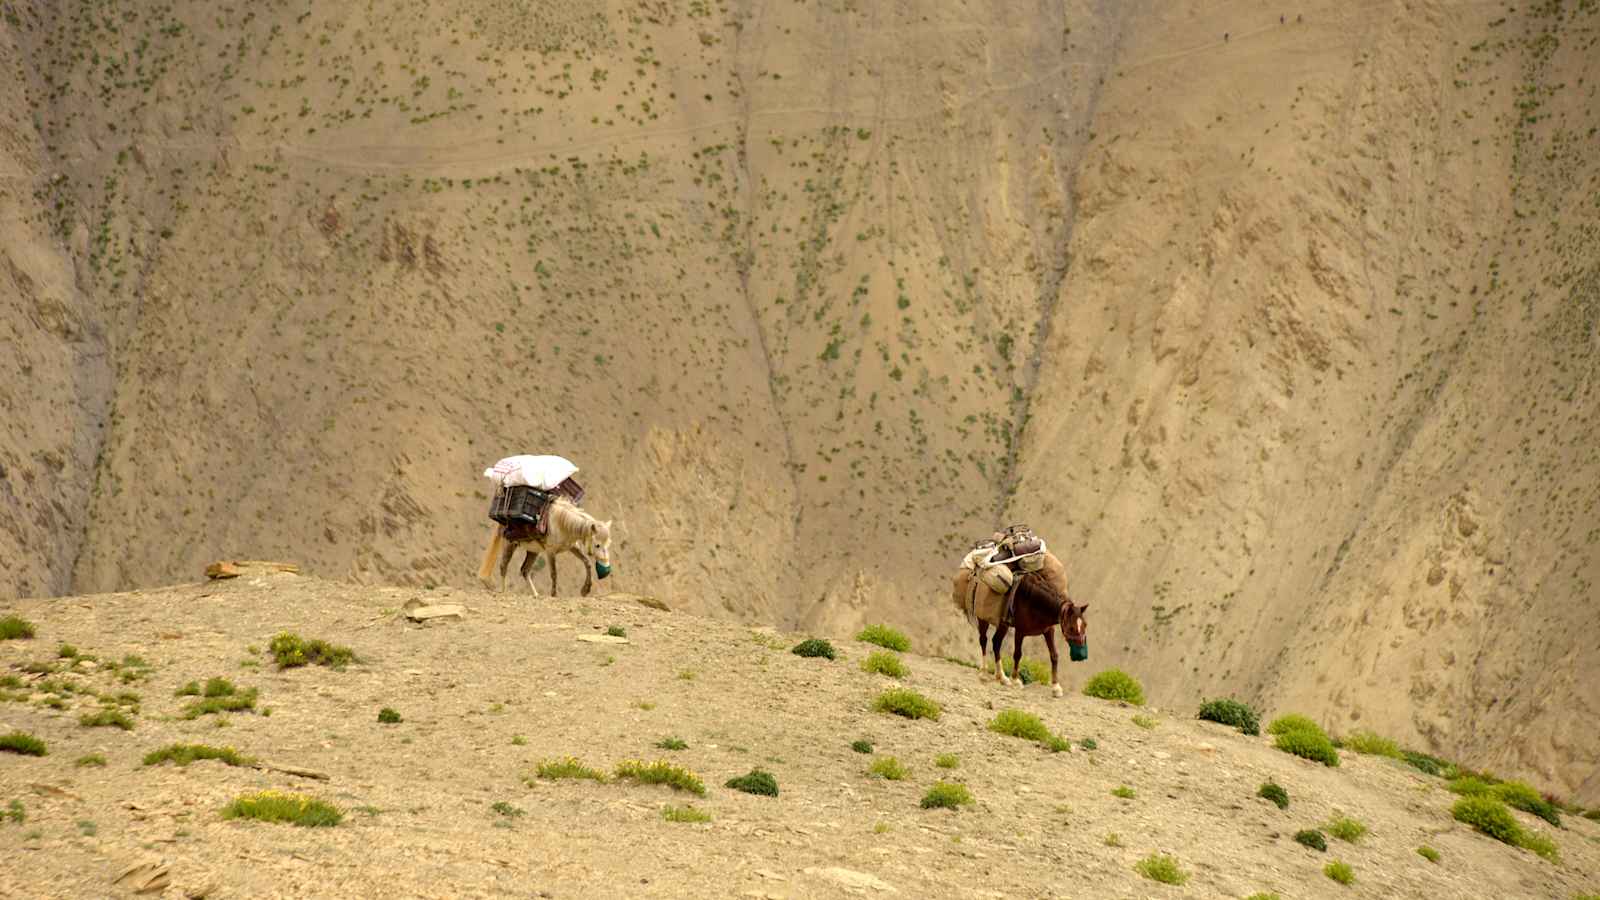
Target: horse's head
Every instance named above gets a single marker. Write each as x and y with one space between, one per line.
1075 628
600 546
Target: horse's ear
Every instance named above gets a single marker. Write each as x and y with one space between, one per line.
1083 609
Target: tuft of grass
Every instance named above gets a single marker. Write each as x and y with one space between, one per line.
946 795
1274 792
1512 793
1541 845
617 631
1489 816
1373 744
15 628
236 702
1428 853
814 647
518 740
862 746
1088 744
184 754
1311 838
1161 868
1292 722
1263 895
192 689
1115 684
17 813
1017 723
756 781
290 650
23 743
1345 829
684 814
1307 743
884 636
882 662
279 806
1145 722
672 743
506 809
947 761
1113 840
1340 872
1430 765
1125 792
87 760
219 687
1228 711
389 716
66 651
908 703
107 716
567 767
888 768
661 772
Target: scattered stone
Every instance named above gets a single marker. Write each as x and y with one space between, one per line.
851 879
603 639
452 611
150 877
234 568
641 599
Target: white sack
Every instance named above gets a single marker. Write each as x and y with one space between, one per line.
542 472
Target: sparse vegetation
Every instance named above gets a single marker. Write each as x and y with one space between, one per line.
756 781
1145 722
1311 838
506 809
946 795
220 696
861 746
884 636
1161 868
1346 829
947 761
1340 872
192 689
908 703
15 812
1512 793
1125 792
88 760
389 716
1115 684
616 631
1233 713
888 768
23 743
684 814
661 772
1431 765
1303 738
567 767
1428 853
290 650
814 647
1274 792
1292 722
1372 744
1113 840
882 662
184 754
1489 816
14 628
279 806
107 716
672 743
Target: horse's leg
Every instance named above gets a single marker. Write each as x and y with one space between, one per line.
999 641
528 559
1016 657
551 558
1050 641
506 553
588 573
983 648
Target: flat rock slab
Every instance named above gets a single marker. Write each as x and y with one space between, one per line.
453 611
641 599
602 639
851 880
233 568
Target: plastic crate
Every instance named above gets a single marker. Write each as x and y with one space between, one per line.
518 504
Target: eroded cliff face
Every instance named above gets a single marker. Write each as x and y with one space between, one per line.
1286 342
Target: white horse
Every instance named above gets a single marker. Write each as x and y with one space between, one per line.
571 530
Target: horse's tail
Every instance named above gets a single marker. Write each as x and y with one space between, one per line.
492 554
961 592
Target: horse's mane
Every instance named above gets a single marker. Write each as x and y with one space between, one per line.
571 517
1047 586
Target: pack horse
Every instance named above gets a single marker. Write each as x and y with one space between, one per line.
536 508
1015 582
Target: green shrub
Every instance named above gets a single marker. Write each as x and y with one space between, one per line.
23 743
184 754
882 662
1309 744
862 746
813 647
684 814
389 716
672 743
908 703
219 687
1340 872
15 628
1145 722
661 772
884 636
1231 712
66 651
1373 744
97 760
1293 722
14 812
1311 838
1593 815
1525 798
1489 816
888 768
506 809
1017 723
1088 744
1263 895
1541 845
1422 762
1123 791
277 806
756 781
1428 853
290 650
1115 684
106 716
1274 792
947 761
1161 868
567 767
1033 671
1345 829
192 689
616 631
235 702
946 795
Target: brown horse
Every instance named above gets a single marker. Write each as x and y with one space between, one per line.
1040 604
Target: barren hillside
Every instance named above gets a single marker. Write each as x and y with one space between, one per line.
1283 333
447 801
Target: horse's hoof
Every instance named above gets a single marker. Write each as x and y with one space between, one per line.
1055 690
